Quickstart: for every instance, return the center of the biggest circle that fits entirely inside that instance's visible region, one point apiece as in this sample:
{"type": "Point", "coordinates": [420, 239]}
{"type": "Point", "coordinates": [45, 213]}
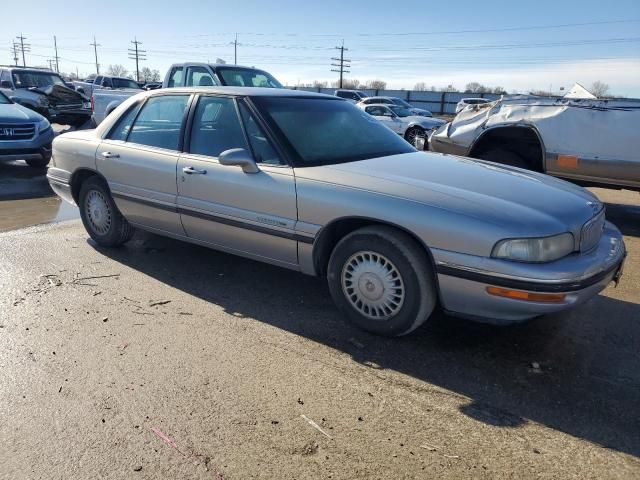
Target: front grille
{"type": "Point", "coordinates": [17, 131]}
{"type": "Point", "coordinates": [591, 232]}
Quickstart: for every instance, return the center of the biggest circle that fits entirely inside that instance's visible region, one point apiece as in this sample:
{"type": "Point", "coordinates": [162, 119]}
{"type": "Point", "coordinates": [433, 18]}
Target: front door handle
{"type": "Point", "coordinates": [194, 171]}
{"type": "Point", "coordinates": [110, 155]}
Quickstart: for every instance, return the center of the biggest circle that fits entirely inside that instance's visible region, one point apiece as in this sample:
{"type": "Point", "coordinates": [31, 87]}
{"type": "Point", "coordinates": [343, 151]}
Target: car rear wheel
{"type": "Point", "coordinates": [414, 134]}
{"type": "Point", "coordinates": [381, 279]}
{"type": "Point", "coordinates": [100, 215]}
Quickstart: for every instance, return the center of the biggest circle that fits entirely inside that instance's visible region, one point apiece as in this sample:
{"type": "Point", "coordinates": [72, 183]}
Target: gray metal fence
{"type": "Point", "coordinates": [436, 102]}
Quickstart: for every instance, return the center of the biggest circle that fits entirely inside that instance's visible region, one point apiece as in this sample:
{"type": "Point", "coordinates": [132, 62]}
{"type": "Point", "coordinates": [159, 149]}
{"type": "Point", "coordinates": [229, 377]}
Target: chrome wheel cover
{"type": "Point", "coordinates": [413, 135]}
{"type": "Point", "coordinates": [98, 212]}
{"type": "Point", "coordinates": [373, 285]}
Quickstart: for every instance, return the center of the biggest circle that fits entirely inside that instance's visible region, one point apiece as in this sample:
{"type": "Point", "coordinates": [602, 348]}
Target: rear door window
{"type": "Point", "coordinates": [160, 122]}
{"type": "Point", "coordinates": [175, 78]}
{"type": "Point", "coordinates": [200, 77]}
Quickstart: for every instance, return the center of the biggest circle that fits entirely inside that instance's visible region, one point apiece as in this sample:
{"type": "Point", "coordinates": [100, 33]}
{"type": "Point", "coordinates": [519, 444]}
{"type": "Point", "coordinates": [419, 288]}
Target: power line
{"type": "Point", "coordinates": [343, 65]}
{"type": "Point", "coordinates": [95, 46]}
{"type": "Point", "coordinates": [137, 55]}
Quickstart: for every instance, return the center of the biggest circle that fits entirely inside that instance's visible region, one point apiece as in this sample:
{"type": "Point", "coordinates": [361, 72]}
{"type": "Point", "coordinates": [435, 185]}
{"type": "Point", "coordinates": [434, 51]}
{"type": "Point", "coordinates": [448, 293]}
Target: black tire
{"type": "Point", "coordinates": [38, 162]}
{"type": "Point", "coordinates": [504, 157]}
{"type": "Point", "coordinates": [404, 257]}
{"type": "Point", "coordinates": [108, 228]}
{"type": "Point", "coordinates": [412, 133]}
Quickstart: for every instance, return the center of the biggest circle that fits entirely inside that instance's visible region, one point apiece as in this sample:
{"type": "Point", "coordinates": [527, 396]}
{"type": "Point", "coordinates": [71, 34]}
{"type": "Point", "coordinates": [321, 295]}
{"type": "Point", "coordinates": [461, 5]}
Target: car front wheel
{"type": "Point", "coordinates": [414, 135]}
{"type": "Point", "coordinates": [100, 215]}
{"type": "Point", "coordinates": [381, 279]}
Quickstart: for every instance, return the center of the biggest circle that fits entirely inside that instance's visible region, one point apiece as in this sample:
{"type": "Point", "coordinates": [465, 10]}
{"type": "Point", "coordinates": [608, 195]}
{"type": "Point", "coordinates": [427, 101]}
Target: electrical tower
{"type": "Point", "coordinates": [15, 49]}
{"type": "Point", "coordinates": [95, 46]}
{"type": "Point", "coordinates": [137, 55]}
{"type": "Point", "coordinates": [24, 47]}
{"type": "Point", "coordinates": [343, 65]}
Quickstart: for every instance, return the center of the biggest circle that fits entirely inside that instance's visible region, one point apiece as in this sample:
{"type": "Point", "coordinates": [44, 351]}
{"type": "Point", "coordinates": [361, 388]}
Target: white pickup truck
{"type": "Point", "coordinates": [190, 74]}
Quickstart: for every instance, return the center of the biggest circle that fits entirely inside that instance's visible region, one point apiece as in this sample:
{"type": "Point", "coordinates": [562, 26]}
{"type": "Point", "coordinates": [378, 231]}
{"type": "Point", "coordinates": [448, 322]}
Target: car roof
{"type": "Point", "coordinates": [244, 92]}
{"type": "Point", "coordinates": [213, 65]}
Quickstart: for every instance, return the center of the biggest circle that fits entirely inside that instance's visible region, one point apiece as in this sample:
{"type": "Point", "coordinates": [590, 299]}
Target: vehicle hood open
{"type": "Point", "coordinates": [537, 204]}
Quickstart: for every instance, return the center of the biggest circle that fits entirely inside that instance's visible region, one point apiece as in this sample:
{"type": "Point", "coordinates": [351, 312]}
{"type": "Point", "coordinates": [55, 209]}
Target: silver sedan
{"type": "Point", "coordinates": [312, 183]}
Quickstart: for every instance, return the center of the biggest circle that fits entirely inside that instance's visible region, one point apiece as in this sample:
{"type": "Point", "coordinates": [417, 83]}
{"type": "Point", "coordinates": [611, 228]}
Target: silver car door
{"type": "Point", "coordinates": [139, 158]}
{"type": "Point", "coordinates": [251, 214]}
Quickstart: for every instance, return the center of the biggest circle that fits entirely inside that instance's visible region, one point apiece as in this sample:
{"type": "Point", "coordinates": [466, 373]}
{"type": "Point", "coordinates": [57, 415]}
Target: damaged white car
{"type": "Point", "coordinates": [578, 137]}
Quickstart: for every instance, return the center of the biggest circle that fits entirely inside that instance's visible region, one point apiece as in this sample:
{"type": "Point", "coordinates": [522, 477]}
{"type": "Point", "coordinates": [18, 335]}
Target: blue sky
{"type": "Point", "coordinates": [492, 42]}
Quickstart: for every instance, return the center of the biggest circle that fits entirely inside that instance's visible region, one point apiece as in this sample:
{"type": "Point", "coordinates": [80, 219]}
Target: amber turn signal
{"type": "Point", "coordinates": [526, 296]}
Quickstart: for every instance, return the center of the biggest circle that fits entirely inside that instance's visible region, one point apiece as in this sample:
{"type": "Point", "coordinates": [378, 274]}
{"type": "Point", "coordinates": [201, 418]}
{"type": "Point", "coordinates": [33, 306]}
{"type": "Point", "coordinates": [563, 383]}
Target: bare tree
{"type": "Point", "coordinates": [599, 89]}
{"type": "Point", "coordinates": [147, 75]}
{"type": "Point", "coordinates": [499, 91]}
{"type": "Point", "coordinates": [117, 71]}
{"type": "Point", "coordinates": [420, 87]}
{"type": "Point", "coordinates": [450, 88]}
{"type": "Point", "coordinates": [319, 84]}
{"type": "Point", "coordinates": [348, 83]}
{"type": "Point", "coordinates": [376, 84]}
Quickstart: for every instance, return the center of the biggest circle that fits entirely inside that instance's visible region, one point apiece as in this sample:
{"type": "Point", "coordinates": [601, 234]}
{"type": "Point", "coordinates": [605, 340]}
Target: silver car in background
{"type": "Point", "coordinates": [312, 183]}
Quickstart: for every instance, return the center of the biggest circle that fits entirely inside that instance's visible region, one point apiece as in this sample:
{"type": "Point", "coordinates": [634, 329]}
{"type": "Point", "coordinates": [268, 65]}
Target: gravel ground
{"type": "Point", "coordinates": [168, 360]}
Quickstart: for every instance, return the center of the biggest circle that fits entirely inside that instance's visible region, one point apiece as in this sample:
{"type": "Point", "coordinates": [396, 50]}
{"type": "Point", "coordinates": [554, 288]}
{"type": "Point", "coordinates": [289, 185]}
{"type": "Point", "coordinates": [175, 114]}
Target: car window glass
{"type": "Point", "coordinates": [343, 94]}
{"type": "Point", "coordinates": [200, 77]}
{"type": "Point", "coordinates": [263, 151]}
{"type": "Point", "coordinates": [247, 77]}
{"type": "Point", "coordinates": [106, 82]}
{"type": "Point", "coordinates": [123, 125]}
{"type": "Point", "coordinates": [175, 79]}
{"type": "Point", "coordinates": [216, 127]}
{"type": "Point", "coordinates": [159, 122]}
{"type": "Point", "coordinates": [98, 80]}
{"type": "Point", "coordinates": [4, 76]}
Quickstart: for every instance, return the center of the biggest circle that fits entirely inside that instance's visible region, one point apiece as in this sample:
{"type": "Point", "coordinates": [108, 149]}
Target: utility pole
{"type": "Point", "coordinates": [137, 55]}
{"type": "Point", "coordinates": [24, 47]}
{"type": "Point", "coordinates": [343, 63]}
{"type": "Point", "coordinates": [235, 50]}
{"type": "Point", "coordinates": [50, 61]}
{"type": "Point", "coordinates": [14, 50]}
{"type": "Point", "coordinates": [55, 46]}
{"type": "Point", "coordinates": [95, 46]}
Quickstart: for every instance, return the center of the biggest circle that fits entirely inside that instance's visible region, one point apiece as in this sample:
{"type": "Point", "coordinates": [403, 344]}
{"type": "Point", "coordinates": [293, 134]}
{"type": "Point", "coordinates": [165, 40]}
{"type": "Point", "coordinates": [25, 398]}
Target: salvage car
{"type": "Point", "coordinates": [421, 112]}
{"type": "Point", "coordinates": [312, 183]}
{"type": "Point", "coordinates": [585, 140]}
{"type": "Point", "coordinates": [465, 102]}
{"type": "Point", "coordinates": [45, 92]}
{"type": "Point", "coordinates": [413, 128]}
{"type": "Point", "coordinates": [24, 134]}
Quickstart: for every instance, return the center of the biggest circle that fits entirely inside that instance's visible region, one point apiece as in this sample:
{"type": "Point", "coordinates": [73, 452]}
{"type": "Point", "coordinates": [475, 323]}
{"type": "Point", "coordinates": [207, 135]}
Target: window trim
{"type": "Point", "coordinates": [173, 71]}
{"type": "Point", "coordinates": [141, 105]}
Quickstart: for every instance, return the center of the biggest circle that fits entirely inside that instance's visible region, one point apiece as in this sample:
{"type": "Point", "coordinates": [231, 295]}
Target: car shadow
{"type": "Point", "coordinates": [19, 181]}
{"type": "Point", "coordinates": [625, 217]}
{"type": "Point", "coordinates": [576, 372]}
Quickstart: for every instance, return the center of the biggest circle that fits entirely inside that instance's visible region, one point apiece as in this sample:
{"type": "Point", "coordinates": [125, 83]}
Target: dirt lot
{"type": "Point", "coordinates": [167, 360]}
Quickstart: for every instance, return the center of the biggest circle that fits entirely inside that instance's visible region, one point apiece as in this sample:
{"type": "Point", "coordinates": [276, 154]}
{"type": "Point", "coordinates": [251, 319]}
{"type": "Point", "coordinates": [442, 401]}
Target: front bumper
{"type": "Point", "coordinates": [464, 279]}
{"type": "Point", "coordinates": [36, 148]}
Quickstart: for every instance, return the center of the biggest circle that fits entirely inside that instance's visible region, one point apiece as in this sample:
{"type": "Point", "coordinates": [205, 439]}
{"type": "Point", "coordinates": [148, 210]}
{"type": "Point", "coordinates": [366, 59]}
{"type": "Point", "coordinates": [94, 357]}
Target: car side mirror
{"type": "Point", "coordinates": [6, 84]}
{"type": "Point", "coordinates": [239, 157]}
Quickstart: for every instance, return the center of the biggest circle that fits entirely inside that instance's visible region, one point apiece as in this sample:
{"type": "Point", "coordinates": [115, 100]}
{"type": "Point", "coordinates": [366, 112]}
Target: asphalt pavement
{"type": "Point", "coordinates": [168, 360]}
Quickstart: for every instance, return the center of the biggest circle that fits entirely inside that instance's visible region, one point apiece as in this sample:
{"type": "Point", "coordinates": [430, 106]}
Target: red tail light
{"type": "Point", "coordinates": [92, 103]}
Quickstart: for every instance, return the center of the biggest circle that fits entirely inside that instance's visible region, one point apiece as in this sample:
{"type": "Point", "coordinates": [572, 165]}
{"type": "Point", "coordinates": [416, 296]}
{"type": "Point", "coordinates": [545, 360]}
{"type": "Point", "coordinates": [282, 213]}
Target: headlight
{"type": "Point", "coordinates": [545, 249]}
{"type": "Point", "coordinates": [43, 125]}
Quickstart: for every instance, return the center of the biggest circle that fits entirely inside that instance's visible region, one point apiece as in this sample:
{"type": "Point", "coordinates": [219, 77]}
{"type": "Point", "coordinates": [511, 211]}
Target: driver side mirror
{"type": "Point", "coordinates": [239, 157]}
{"type": "Point", "coordinates": [6, 84]}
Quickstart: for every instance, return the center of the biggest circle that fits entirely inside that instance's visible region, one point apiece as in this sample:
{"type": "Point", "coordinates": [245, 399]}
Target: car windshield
{"type": "Point", "coordinates": [401, 103]}
{"type": "Point", "coordinates": [3, 99]}
{"type": "Point", "coordinates": [247, 77]}
{"type": "Point", "coordinates": [25, 79]}
{"type": "Point", "coordinates": [321, 131]}
{"type": "Point", "coordinates": [401, 111]}
{"type": "Point", "coordinates": [125, 83]}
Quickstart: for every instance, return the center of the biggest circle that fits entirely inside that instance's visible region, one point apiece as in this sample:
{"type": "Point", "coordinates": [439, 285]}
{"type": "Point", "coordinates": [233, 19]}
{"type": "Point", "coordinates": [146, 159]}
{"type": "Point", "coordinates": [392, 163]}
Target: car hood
{"type": "Point", "coordinates": [14, 113]}
{"type": "Point", "coordinates": [514, 200]}
{"type": "Point", "coordinates": [61, 94]}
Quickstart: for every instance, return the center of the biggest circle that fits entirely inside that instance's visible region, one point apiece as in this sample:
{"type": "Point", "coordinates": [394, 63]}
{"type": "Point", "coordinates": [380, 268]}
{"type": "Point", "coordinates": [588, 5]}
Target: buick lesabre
{"type": "Point", "coordinates": [312, 183]}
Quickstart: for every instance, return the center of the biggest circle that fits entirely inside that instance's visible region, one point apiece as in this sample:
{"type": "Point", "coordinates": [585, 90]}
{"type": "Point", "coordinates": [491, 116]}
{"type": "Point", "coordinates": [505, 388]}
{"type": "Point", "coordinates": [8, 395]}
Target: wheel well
{"type": "Point", "coordinates": [78, 178]}
{"type": "Point", "coordinates": [331, 234]}
{"type": "Point", "coordinates": [523, 141]}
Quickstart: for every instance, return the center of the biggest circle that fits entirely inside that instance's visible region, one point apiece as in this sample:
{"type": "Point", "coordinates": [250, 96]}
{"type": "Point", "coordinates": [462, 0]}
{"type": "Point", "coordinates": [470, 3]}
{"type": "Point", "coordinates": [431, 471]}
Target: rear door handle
{"type": "Point", "coordinates": [194, 171]}
{"type": "Point", "coordinates": [110, 155]}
